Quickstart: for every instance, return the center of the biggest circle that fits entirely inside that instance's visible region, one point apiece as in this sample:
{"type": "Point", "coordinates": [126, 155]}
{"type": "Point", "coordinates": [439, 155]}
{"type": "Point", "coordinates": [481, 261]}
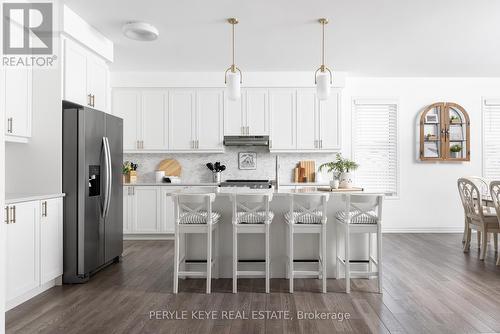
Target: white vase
{"type": "Point", "coordinates": [334, 184]}
{"type": "Point", "coordinates": [345, 180]}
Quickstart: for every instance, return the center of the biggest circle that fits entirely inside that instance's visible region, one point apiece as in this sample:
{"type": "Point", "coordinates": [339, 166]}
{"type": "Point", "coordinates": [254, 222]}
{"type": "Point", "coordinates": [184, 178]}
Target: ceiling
{"type": "Point", "coordinates": [364, 37]}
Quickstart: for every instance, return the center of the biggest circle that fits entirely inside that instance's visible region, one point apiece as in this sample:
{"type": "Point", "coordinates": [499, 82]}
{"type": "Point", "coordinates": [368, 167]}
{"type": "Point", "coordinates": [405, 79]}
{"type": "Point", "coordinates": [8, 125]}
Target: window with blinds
{"type": "Point", "coordinates": [375, 144]}
{"type": "Point", "coordinates": [491, 139]}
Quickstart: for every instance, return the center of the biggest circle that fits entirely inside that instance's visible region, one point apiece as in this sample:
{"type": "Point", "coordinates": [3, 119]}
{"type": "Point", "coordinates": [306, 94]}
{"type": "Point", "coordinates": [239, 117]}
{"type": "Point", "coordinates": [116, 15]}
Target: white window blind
{"type": "Point", "coordinates": [375, 144]}
{"type": "Point", "coordinates": [491, 139]}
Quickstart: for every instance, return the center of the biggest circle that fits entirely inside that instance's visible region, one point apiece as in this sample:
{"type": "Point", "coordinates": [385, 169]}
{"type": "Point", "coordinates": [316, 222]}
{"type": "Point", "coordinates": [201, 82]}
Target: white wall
{"type": "Point", "coordinates": [428, 198]}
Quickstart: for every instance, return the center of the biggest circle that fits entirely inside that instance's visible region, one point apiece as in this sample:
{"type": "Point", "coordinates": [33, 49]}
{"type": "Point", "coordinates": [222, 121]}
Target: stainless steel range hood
{"type": "Point", "coordinates": [246, 140]}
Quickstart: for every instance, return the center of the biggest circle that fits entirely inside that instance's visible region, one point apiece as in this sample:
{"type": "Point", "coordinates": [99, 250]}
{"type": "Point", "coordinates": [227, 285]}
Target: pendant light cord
{"type": "Point", "coordinates": [323, 46]}
{"type": "Point", "coordinates": [233, 46]}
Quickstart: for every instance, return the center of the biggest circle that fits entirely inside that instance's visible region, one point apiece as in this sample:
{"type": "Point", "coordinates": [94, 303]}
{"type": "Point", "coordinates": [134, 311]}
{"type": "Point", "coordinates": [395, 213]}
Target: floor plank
{"type": "Point", "coordinates": [430, 286]}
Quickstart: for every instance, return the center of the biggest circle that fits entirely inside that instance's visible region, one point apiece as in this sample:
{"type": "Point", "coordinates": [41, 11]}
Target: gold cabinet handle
{"type": "Point", "coordinates": [7, 215]}
{"type": "Point", "coordinates": [93, 100]}
{"type": "Point", "coordinates": [44, 209]}
{"type": "Point", "coordinates": [89, 100]}
{"type": "Point", "coordinates": [13, 214]}
{"type": "Point", "coordinates": [9, 124]}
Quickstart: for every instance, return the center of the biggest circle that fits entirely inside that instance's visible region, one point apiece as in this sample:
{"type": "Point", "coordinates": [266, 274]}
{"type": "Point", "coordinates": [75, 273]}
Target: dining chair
{"type": "Point", "coordinates": [495, 195]}
{"type": "Point", "coordinates": [362, 214]}
{"type": "Point", "coordinates": [479, 217]}
{"type": "Point", "coordinates": [307, 215]}
{"type": "Point", "coordinates": [194, 215]}
{"type": "Point", "coordinates": [483, 186]}
{"type": "Point", "coordinates": [251, 215]}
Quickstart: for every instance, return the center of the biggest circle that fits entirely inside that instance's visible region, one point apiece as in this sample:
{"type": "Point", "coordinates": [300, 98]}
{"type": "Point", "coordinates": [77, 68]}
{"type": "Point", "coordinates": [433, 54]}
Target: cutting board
{"type": "Point", "coordinates": [310, 170]}
{"type": "Point", "coordinates": [171, 167]}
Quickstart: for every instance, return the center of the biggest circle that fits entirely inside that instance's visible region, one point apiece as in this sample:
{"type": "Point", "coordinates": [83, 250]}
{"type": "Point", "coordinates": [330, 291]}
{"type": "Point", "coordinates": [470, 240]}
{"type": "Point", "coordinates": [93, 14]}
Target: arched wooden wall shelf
{"type": "Point", "coordinates": [444, 133]}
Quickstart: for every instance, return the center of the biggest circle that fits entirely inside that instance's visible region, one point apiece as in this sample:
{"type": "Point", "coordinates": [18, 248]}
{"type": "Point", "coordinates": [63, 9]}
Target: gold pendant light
{"type": "Point", "coordinates": [322, 79]}
{"type": "Point", "coordinates": [233, 77]}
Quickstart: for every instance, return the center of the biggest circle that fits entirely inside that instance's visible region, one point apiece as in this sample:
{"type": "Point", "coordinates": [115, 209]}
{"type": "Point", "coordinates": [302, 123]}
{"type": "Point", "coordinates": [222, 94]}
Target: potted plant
{"type": "Point", "coordinates": [341, 169]}
{"type": "Point", "coordinates": [455, 150]}
{"type": "Point", "coordinates": [454, 119]}
{"type": "Point", "coordinates": [129, 171]}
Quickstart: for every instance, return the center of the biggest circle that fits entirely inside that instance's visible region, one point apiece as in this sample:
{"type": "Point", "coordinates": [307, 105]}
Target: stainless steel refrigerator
{"type": "Point", "coordinates": [92, 181]}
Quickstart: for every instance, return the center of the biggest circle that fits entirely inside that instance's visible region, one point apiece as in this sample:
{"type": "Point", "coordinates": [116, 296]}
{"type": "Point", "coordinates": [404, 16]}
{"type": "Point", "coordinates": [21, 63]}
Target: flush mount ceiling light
{"type": "Point", "coordinates": [233, 76]}
{"type": "Point", "coordinates": [323, 76]}
{"type": "Point", "coordinates": [140, 31]}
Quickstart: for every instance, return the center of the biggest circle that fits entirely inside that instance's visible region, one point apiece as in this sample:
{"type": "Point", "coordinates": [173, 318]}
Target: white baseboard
{"type": "Point", "coordinates": [428, 229]}
{"type": "Point", "coordinates": [165, 236]}
{"type": "Point", "coordinates": [10, 304]}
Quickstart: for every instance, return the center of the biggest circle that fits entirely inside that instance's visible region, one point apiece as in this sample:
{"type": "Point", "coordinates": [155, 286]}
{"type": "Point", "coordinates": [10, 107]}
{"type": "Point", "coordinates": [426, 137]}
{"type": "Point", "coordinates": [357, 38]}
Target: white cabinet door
{"type": "Point", "coordinates": [75, 74]}
{"type": "Point", "coordinates": [307, 120]}
{"type": "Point", "coordinates": [283, 119]}
{"type": "Point", "coordinates": [167, 209]}
{"type": "Point", "coordinates": [97, 82]}
{"type": "Point", "coordinates": [127, 209]}
{"type": "Point", "coordinates": [233, 116]}
{"type": "Point", "coordinates": [209, 119]}
{"type": "Point", "coordinates": [329, 122]}
{"type": "Point", "coordinates": [257, 112]}
{"type": "Point", "coordinates": [181, 119]}
{"type": "Point", "coordinates": [18, 101]}
{"type": "Point", "coordinates": [23, 249]}
{"type": "Point", "coordinates": [154, 120]}
{"type": "Point", "coordinates": [146, 209]}
{"type": "Point", "coordinates": [51, 239]}
{"type": "Point", "coordinates": [126, 104]}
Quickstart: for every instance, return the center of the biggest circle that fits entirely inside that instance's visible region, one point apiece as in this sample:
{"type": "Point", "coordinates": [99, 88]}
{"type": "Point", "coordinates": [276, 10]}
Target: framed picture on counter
{"type": "Point", "coordinates": [247, 160]}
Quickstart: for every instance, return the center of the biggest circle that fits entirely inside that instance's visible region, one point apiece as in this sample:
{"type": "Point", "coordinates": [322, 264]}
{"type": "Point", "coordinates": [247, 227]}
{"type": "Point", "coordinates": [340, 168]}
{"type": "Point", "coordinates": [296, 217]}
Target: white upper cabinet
{"type": "Point", "coordinates": [181, 119]}
{"type": "Point", "coordinates": [126, 104]}
{"type": "Point", "coordinates": [249, 115]}
{"type": "Point", "coordinates": [283, 118]}
{"type": "Point", "coordinates": [85, 77]}
{"type": "Point", "coordinates": [257, 112]}
{"type": "Point", "coordinates": [329, 122]}
{"type": "Point", "coordinates": [306, 124]}
{"type": "Point", "coordinates": [209, 119]}
{"type": "Point", "coordinates": [154, 119]}
{"type": "Point", "coordinates": [97, 82]}
{"type": "Point", "coordinates": [234, 116]}
{"type": "Point", "coordinates": [307, 120]}
{"type": "Point", "coordinates": [18, 102]}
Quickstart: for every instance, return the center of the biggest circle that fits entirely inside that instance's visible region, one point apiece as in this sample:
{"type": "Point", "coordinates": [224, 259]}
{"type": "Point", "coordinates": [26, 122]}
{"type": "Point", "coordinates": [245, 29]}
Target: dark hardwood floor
{"type": "Point", "coordinates": [430, 286]}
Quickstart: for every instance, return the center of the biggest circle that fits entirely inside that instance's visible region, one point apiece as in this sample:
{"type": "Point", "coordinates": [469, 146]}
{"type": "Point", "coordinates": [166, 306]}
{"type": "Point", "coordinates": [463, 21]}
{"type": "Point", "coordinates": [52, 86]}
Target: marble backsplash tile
{"type": "Point", "coordinates": [194, 169]}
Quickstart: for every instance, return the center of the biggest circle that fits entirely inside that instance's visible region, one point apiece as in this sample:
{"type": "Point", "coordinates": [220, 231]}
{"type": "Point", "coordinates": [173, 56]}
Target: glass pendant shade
{"type": "Point", "coordinates": [323, 85]}
{"type": "Point", "coordinates": [233, 85]}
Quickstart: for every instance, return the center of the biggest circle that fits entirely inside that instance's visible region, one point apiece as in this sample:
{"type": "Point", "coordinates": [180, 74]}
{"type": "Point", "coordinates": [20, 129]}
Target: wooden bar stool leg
{"type": "Point", "coordinates": [209, 259]}
{"type": "Point", "coordinates": [290, 257]}
{"type": "Point", "coordinates": [267, 259]}
{"type": "Point", "coordinates": [323, 256]}
{"type": "Point", "coordinates": [235, 259]}
{"type": "Point", "coordinates": [176, 261]}
{"type": "Point", "coordinates": [347, 262]}
{"type": "Point", "coordinates": [379, 258]}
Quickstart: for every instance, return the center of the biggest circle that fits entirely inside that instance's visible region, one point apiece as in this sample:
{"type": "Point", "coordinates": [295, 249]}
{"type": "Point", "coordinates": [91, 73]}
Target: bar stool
{"type": "Point", "coordinates": [307, 214]}
{"type": "Point", "coordinates": [251, 214]}
{"type": "Point", "coordinates": [193, 215]}
{"type": "Point", "coordinates": [362, 214]}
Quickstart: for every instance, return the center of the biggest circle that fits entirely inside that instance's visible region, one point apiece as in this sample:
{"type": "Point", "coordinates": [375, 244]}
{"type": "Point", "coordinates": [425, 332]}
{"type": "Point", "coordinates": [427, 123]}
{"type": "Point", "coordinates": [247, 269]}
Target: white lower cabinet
{"type": "Point", "coordinates": [148, 210]}
{"type": "Point", "coordinates": [34, 248]}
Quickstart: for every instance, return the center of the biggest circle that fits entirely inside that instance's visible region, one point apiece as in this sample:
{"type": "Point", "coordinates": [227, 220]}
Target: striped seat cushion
{"type": "Point", "coordinates": [361, 219]}
{"type": "Point", "coordinates": [253, 218]}
{"type": "Point", "coordinates": [191, 218]}
{"type": "Point", "coordinates": [305, 218]}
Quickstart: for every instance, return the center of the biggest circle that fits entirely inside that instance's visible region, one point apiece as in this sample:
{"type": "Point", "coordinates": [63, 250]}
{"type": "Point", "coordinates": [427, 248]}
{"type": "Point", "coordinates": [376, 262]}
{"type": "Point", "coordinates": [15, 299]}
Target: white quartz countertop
{"type": "Point", "coordinates": [164, 184]}
{"type": "Point", "coordinates": [11, 198]}
{"type": "Point", "coordinates": [280, 192]}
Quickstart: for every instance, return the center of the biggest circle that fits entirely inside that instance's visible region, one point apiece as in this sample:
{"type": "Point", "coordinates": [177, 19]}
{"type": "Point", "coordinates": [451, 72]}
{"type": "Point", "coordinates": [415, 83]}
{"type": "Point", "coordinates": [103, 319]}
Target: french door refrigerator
{"type": "Point", "coordinates": [92, 182]}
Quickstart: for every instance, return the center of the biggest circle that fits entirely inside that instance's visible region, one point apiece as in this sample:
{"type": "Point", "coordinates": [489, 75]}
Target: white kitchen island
{"type": "Point", "coordinates": [251, 247]}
